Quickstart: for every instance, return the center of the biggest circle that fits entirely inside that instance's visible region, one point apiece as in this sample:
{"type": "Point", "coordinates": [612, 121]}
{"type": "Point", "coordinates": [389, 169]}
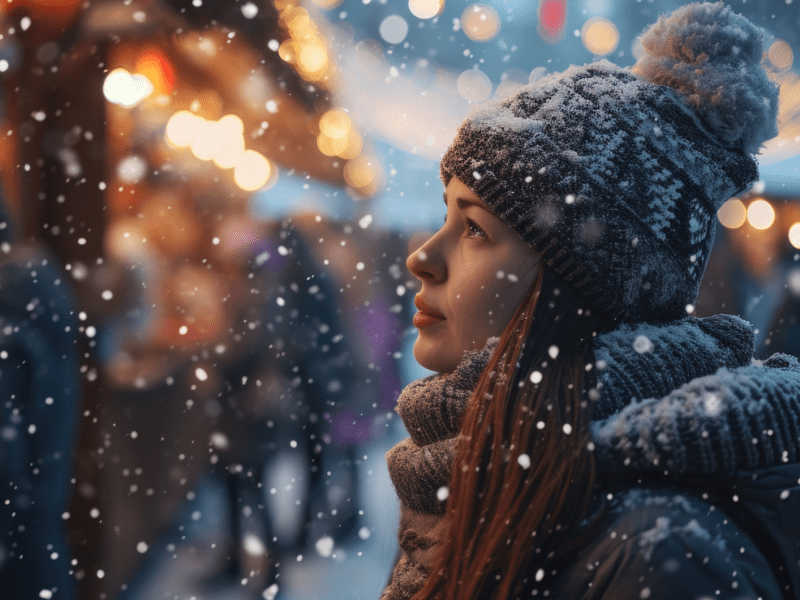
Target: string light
{"type": "Point", "coordinates": [126, 89]}
{"type": "Point", "coordinates": [305, 47]}
{"type": "Point", "coordinates": [252, 171]}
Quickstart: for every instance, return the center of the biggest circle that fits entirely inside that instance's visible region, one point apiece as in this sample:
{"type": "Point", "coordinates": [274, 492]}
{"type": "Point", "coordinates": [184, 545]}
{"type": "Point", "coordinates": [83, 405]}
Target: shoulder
{"type": "Point", "coordinates": [661, 543]}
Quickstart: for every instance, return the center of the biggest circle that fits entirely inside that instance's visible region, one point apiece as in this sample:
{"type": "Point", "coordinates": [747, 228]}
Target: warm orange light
{"type": "Point", "coordinates": [154, 65]}
{"type": "Point", "coordinates": [732, 214]}
{"type": "Point", "coordinates": [353, 146]}
{"type": "Point", "coordinates": [794, 235]}
{"type": "Point", "coordinates": [600, 36]}
{"type": "Point", "coordinates": [760, 214]}
{"type": "Point", "coordinates": [252, 171]}
{"type": "Point", "coordinates": [335, 123]}
{"type": "Point", "coordinates": [312, 58]}
{"type": "Point", "coordinates": [425, 9]}
{"type": "Point", "coordinates": [361, 171]}
{"type": "Point", "coordinates": [327, 4]}
{"type": "Point", "coordinates": [480, 22]}
{"type": "Point", "coordinates": [231, 144]}
{"type": "Point", "coordinates": [182, 128]}
{"type": "Point", "coordinates": [780, 55]}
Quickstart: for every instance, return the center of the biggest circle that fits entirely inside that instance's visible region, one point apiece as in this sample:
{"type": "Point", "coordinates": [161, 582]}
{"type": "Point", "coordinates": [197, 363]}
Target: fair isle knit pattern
{"type": "Point", "coordinates": [677, 400]}
{"type": "Point", "coordinates": [615, 180]}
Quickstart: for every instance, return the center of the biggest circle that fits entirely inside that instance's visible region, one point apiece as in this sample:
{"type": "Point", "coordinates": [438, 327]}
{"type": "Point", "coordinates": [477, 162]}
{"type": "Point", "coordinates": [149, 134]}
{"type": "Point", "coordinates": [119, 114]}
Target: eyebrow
{"type": "Point", "coordinates": [464, 202]}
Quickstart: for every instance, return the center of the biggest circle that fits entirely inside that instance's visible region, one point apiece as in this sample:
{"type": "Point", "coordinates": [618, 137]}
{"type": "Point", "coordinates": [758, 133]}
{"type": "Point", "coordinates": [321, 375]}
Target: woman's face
{"type": "Point", "coordinates": [474, 271]}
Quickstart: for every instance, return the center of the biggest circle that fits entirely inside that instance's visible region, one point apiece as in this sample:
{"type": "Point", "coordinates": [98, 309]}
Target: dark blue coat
{"type": "Point", "coordinates": [699, 472]}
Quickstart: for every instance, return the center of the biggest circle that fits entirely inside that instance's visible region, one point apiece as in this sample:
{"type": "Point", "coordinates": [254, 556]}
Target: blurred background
{"type": "Point", "coordinates": [205, 315]}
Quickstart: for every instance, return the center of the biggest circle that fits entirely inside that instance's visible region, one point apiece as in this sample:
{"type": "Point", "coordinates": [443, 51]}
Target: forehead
{"type": "Point", "coordinates": [463, 195]}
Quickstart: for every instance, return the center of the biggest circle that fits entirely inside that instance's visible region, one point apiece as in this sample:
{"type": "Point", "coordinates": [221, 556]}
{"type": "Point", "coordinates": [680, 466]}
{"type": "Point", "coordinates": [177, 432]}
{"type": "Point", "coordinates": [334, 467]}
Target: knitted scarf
{"type": "Point", "coordinates": [635, 364]}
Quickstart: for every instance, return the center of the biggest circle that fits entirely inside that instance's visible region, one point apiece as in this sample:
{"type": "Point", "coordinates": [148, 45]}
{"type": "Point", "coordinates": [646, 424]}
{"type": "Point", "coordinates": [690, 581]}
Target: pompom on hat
{"type": "Point", "coordinates": [614, 176]}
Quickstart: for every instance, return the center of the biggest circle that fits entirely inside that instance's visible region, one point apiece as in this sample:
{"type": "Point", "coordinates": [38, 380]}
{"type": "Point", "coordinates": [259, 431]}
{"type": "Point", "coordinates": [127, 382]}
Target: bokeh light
{"type": "Point", "coordinates": [425, 9]}
{"type": "Point", "coordinates": [474, 85]}
{"type": "Point", "coordinates": [252, 171]}
{"type": "Point", "coordinates": [480, 22]}
{"type": "Point", "coordinates": [182, 128]}
{"type": "Point", "coordinates": [552, 18]}
{"type": "Point", "coordinates": [207, 140]}
{"type": "Point", "coordinates": [327, 4]}
{"type": "Point", "coordinates": [325, 144]}
{"type": "Point", "coordinates": [732, 214]}
{"type": "Point", "coordinates": [760, 214]}
{"type": "Point", "coordinates": [154, 65]}
{"type": "Point", "coordinates": [393, 29]}
{"type": "Point", "coordinates": [780, 55]}
{"type": "Point", "coordinates": [312, 58]}
{"type": "Point", "coordinates": [600, 36]}
{"type": "Point", "coordinates": [231, 146]}
{"type": "Point", "coordinates": [352, 147]}
{"type": "Point", "coordinates": [124, 239]}
{"type": "Point", "coordinates": [361, 172]}
{"type": "Point", "coordinates": [305, 47]}
{"type": "Point", "coordinates": [335, 123]}
{"type": "Point", "coordinates": [794, 235]}
{"type": "Point", "coordinates": [126, 89]}
{"type": "Point", "coordinates": [131, 169]}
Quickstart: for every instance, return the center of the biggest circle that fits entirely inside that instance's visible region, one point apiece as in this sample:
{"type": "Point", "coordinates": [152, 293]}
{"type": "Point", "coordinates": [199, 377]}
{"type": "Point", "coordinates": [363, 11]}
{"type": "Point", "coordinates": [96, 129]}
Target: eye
{"type": "Point", "coordinates": [474, 229]}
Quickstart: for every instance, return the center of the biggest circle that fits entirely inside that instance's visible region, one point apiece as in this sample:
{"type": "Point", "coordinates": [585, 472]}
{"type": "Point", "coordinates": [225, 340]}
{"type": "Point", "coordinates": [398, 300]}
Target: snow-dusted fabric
{"type": "Point", "coordinates": [636, 362]}
{"type": "Point", "coordinates": [613, 178]}
{"type": "Point", "coordinates": [713, 400]}
{"type": "Point", "coordinates": [740, 419]}
{"type": "Point", "coordinates": [711, 57]}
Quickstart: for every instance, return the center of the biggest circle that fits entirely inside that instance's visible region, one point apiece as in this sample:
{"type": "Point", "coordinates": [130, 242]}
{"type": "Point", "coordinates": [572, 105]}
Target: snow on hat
{"type": "Point", "coordinates": [614, 176]}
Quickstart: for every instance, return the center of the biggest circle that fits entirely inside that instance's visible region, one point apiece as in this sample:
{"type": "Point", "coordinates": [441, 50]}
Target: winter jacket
{"type": "Point", "coordinates": [697, 450]}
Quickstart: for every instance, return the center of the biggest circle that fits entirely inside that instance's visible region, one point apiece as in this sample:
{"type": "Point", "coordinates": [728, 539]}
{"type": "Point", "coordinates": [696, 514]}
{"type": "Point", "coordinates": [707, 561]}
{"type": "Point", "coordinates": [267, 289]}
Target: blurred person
{"type": "Point", "coordinates": [277, 476]}
{"type": "Point", "coordinates": [584, 437]}
{"type": "Point", "coordinates": [39, 402]}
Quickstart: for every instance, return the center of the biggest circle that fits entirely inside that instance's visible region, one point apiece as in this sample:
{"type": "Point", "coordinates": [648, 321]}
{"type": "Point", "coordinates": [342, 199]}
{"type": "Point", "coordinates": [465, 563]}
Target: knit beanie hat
{"type": "Point", "coordinates": [614, 176]}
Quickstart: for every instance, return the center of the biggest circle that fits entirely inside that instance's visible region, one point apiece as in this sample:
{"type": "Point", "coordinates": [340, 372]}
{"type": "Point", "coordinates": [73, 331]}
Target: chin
{"type": "Point", "coordinates": [434, 355]}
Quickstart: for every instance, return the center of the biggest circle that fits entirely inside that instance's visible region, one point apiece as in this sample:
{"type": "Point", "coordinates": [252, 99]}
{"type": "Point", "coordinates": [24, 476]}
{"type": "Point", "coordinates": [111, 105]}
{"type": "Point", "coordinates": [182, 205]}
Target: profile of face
{"type": "Point", "coordinates": [474, 272]}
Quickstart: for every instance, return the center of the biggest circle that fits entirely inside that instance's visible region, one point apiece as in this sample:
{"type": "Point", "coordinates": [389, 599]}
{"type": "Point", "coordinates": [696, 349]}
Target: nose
{"type": "Point", "coordinates": [427, 263]}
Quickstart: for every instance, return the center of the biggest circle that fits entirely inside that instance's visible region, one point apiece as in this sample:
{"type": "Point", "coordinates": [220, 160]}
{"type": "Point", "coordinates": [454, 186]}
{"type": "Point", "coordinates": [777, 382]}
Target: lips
{"type": "Point", "coordinates": [427, 315]}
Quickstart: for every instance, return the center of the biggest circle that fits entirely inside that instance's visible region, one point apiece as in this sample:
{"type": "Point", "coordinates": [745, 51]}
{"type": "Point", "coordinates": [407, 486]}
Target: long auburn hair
{"type": "Point", "coordinates": [523, 471]}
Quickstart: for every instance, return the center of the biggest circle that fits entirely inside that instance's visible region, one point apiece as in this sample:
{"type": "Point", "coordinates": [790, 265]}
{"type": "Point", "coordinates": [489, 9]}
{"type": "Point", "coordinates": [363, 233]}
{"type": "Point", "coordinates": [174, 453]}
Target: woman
{"type": "Point", "coordinates": [607, 445]}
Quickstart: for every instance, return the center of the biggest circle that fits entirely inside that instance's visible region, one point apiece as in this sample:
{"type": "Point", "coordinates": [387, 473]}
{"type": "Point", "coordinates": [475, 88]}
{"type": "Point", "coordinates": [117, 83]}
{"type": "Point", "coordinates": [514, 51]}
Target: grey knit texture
{"type": "Point", "coordinates": [615, 180]}
{"type": "Point", "coordinates": [740, 419]}
{"type": "Point", "coordinates": [630, 360]}
{"type": "Point", "coordinates": [432, 410]}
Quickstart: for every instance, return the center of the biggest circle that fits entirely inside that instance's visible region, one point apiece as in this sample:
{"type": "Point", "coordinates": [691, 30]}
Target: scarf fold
{"type": "Point", "coordinates": [432, 410]}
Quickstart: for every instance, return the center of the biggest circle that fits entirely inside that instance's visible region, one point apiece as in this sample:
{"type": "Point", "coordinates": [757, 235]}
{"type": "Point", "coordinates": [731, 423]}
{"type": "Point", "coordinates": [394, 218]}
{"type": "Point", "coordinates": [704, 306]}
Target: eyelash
{"type": "Point", "coordinates": [472, 227]}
